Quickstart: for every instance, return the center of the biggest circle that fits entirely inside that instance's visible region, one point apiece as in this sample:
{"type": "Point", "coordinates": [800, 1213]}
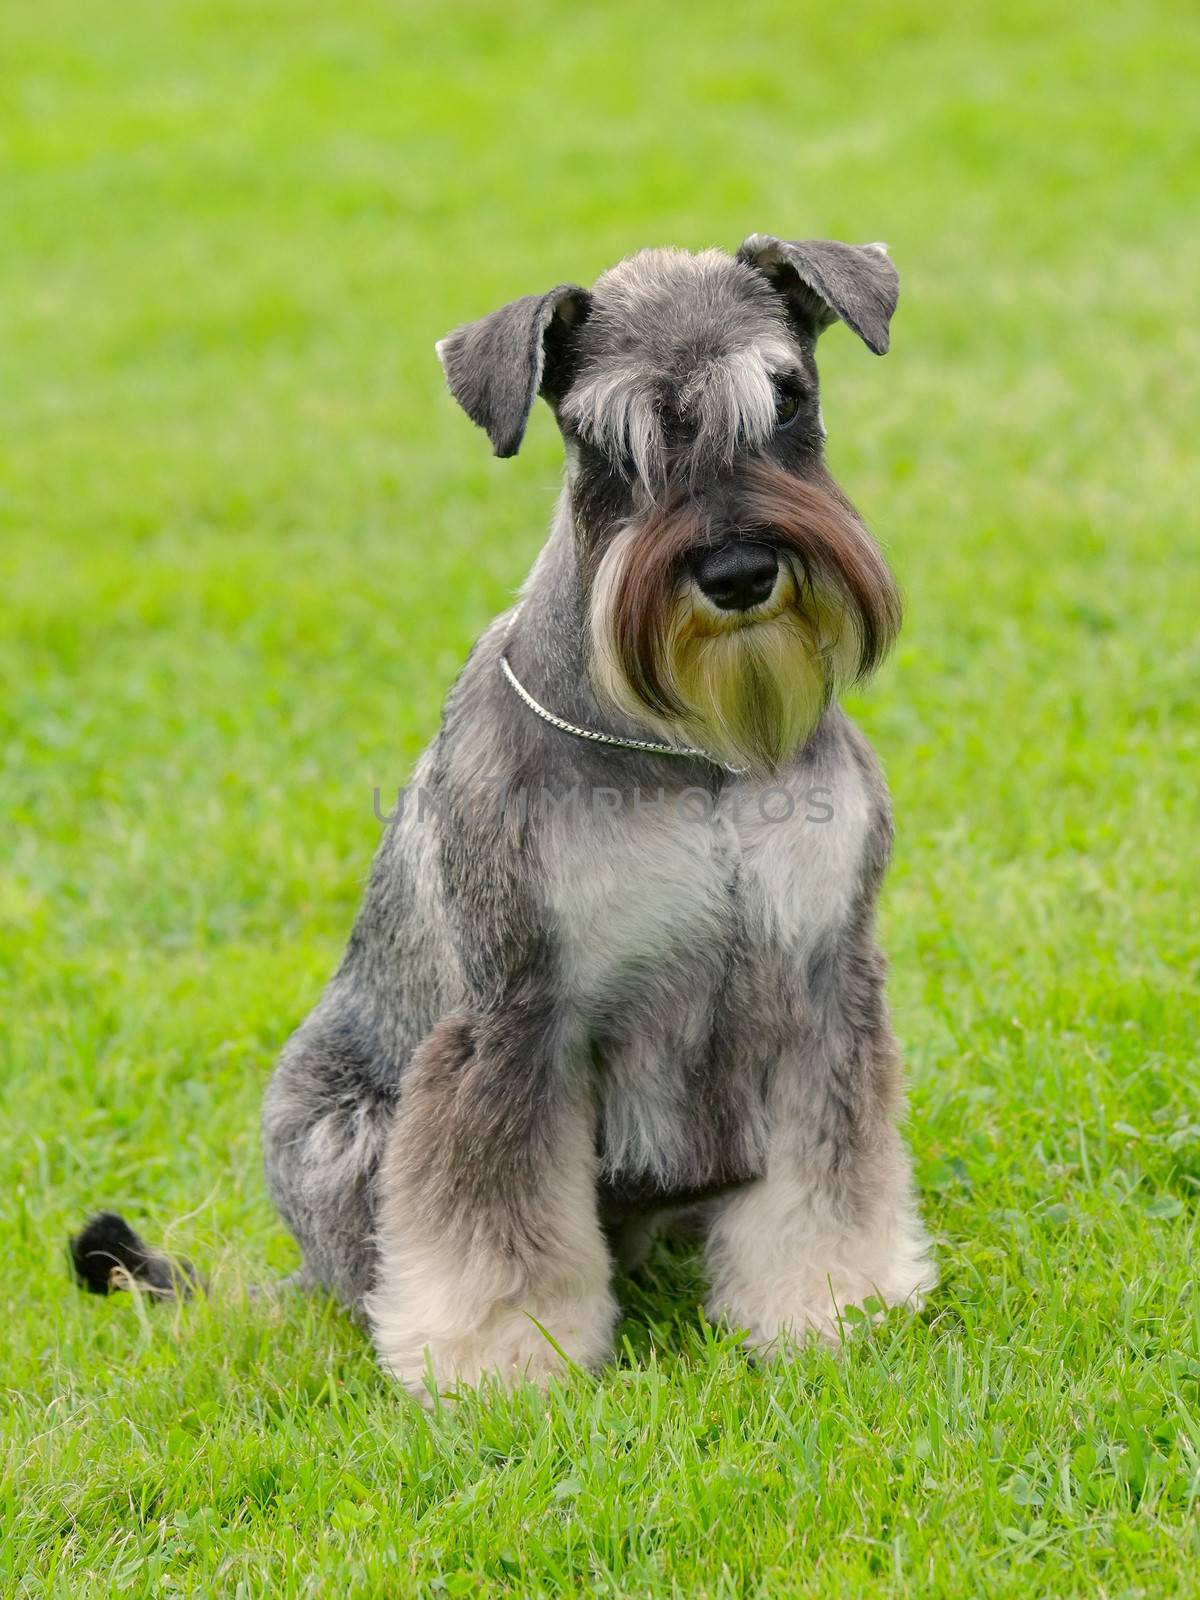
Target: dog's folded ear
{"type": "Point", "coordinates": [824, 281]}
{"type": "Point", "coordinates": [497, 367]}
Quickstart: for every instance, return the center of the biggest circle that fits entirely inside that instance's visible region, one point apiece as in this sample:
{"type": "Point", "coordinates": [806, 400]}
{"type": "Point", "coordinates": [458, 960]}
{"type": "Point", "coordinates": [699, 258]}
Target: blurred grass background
{"type": "Point", "coordinates": [246, 540]}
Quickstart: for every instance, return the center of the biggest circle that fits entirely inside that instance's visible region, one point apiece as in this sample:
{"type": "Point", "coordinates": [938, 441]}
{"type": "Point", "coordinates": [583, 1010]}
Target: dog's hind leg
{"type": "Point", "coordinates": [326, 1116]}
{"type": "Point", "coordinates": [492, 1262]}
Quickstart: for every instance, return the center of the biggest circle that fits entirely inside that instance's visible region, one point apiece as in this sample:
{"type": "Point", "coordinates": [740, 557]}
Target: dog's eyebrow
{"type": "Point", "coordinates": [620, 412]}
{"type": "Point", "coordinates": [733, 397]}
{"type": "Point", "coordinates": [729, 398]}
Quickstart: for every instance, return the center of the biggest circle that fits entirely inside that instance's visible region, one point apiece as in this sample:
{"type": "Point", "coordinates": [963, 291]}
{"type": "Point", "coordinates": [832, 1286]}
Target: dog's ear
{"type": "Point", "coordinates": [497, 367]}
{"type": "Point", "coordinates": [823, 281]}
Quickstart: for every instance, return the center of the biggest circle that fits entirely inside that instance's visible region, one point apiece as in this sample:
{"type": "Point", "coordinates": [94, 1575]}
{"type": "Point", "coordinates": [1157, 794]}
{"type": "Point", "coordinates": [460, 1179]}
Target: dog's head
{"type": "Point", "coordinates": [731, 588]}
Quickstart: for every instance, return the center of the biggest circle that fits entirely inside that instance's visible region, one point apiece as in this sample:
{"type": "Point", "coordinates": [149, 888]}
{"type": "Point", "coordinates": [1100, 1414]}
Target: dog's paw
{"type": "Point", "coordinates": [781, 1316]}
{"type": "Point", "coordinates": [510, 1347]}
{"type": "Point", "coordinates": [786, 1293]}
{"type": "Point", "coordinates": [779, 1332]}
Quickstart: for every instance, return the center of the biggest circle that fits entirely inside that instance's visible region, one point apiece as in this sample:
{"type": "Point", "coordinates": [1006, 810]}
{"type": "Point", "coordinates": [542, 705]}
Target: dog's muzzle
{"type": "Point", "coordinates": [737, 576]}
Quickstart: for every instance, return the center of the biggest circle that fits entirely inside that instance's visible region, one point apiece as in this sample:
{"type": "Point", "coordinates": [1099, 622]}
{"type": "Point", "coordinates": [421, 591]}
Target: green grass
{"type": "Point", "coordinates": [245, 540]}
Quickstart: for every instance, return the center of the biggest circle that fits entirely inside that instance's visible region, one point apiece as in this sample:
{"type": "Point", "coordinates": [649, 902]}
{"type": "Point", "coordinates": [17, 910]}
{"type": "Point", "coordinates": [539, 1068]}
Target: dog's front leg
{"type": "Point", "coordinates": [491, 1256]}
{"type": "Point", "coordinates": [833, 1222]}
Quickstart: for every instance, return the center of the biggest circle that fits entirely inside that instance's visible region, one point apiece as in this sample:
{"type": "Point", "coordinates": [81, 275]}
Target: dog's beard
{"type": "Point", "coordinates": [749, 687]}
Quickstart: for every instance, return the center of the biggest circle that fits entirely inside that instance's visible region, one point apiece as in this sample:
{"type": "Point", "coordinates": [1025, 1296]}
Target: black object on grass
{"type": "Point", "coordinates": [107, 1254]}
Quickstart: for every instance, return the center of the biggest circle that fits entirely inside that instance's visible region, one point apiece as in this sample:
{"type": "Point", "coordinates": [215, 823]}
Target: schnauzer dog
{"type": "Point", "coordinates": [616, 959]}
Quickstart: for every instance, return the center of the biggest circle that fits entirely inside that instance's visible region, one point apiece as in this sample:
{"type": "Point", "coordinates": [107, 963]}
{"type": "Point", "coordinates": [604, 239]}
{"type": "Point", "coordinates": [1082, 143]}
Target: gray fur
{"type": "Point", "coordinates": [548, 1020]}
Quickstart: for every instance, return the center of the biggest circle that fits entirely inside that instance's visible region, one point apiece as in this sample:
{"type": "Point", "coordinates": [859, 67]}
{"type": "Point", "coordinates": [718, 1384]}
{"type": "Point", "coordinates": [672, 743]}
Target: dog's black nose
{"type": "Point", "coordinates": [737, 576]}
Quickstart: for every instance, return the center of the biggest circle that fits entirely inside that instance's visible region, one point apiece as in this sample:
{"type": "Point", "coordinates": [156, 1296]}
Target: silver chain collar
{"type": "Point", "coordinates": [649, 745]}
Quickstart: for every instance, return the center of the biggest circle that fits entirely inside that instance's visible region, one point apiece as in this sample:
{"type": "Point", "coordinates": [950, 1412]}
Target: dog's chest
{"type": "Point", "coordinates": [682, 883]}
{"type": "Point", "coordinates": [684, 932]}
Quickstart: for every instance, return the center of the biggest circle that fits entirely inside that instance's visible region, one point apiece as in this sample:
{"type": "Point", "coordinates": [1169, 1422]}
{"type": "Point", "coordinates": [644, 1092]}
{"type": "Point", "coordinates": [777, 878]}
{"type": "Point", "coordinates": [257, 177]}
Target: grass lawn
{"type": "Point", "coordinates": [246, 539]}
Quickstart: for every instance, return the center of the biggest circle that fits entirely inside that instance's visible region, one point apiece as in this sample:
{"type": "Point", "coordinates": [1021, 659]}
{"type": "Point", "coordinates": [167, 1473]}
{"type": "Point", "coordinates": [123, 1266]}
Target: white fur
{"type": "Point", "coordinates": [783, 1265]}
{"type": "Point", "coordinates": [627, 886]}
{"type": "Point", "coordinates": [619, 413]}
{"type": "Point", "coordinates": [732, 398]}
{"type": "Point", "coordinates": [805, 872]}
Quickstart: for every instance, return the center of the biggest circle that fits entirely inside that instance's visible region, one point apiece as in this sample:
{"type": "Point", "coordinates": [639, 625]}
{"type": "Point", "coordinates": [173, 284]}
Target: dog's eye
{"type": "Point", "coordinates": [789, 397]}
